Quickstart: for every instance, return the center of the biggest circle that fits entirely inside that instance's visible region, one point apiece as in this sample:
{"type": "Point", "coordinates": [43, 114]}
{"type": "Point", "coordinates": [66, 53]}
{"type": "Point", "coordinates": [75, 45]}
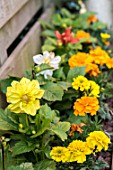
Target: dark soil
{"type": "Point", "coordinates": [108, 128]}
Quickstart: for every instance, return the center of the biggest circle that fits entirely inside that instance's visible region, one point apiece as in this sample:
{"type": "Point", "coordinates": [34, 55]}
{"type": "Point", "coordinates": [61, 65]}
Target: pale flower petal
{"type": "Point", "coordinates": [38, 59]}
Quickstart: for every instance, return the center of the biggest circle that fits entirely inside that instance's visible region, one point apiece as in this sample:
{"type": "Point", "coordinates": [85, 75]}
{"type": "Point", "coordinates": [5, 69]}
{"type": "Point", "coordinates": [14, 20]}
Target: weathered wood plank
{"type": "Point", "coordinates": [8, 8]}
{"type": "Point", "coordinates": [15, 25]}
{"type": "Point", "coordinates": [21, 57]}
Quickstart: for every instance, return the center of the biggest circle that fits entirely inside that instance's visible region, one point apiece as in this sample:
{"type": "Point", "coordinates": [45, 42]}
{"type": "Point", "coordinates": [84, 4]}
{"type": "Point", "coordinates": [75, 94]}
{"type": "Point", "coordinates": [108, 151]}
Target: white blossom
{"type": "Point", "coordinates": [47, 58]}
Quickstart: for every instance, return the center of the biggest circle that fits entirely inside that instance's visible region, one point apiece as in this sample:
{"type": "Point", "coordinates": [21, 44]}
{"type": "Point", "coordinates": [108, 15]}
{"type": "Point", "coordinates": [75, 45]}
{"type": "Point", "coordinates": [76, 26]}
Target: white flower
{"type": "Point", "coordinates": [47, 58]}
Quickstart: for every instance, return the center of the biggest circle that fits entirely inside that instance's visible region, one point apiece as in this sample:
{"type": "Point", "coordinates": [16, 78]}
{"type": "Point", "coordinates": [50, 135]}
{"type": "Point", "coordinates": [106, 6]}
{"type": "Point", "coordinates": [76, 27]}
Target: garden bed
{"type": "Point", "coordinates": [59, 114]}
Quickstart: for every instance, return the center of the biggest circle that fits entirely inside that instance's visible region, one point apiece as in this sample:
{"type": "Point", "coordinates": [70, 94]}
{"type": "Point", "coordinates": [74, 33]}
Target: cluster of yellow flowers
{"type": "Point", "coordinates": [77, 149]}
{"type": "Point", "coordinates": [91, 60]}
{"type": "Point", "coordinates": [24, 96]}
{"type": "Point", "coordinates": [89, 87]}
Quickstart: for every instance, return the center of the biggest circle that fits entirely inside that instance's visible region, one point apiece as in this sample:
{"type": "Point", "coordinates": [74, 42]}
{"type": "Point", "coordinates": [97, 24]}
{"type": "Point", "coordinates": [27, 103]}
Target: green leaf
{"type": "Point", "coordinates": [23, 166]}
{"type": "Point", "coordinates": [64, 85]}
{"type": "Point", "coordinates": [98, 25]}
{"type": "Point", "coordinates": [45, 165]}
{"type": "Point", "coordinates": [45, 112]}
{"type": "Point", "coordinates": [73, 73]}
{"type": "Point", "coordinates": [59, 73]}
{"type": "Point", "coordinates": [22, 147]}
{"type": "Point", "coordinates": [42, 67]}
{"type": "Point", "coordinates": [48, 33]}
{"type": "Point", "coordinates": [50, 41]}
{"type": "Point", "coordinates": [53, 92]}
{"type": "Point", "coordinates": [48, 47]}
{"type": "Point", "coordinates": [44, 119]}
{"type": "Point", "coordinates": [57, 19]}
{"type": "Point", "coordinates": [7, 82]}
{"type": "Point", "coordinates": [60, 129]}
{"type": "Point", "coordinates": [66, 13]}
{"type": "Point", "coordinates": [42, 127]}
{"type": "Point", "coordinates": [7, 121]}
{"type": "Point", "coordinates": [77, 119]}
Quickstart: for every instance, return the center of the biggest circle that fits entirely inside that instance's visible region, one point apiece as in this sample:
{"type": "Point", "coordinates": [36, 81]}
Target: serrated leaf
{"type": "Point", "coordinates": [60, 129]}
{"type": "Point", "coordinates": [45, 165]}
{"type": "Point", "coordinates": [7, 122]}
{"type": "Point", "coordinates": [73, 73]}
{"type": "Point", "coordinates": [53, 92]}
{"type": "Point", "coordinates": [22, 147]}
{"type": "Point", "coordinates": [45, 112]}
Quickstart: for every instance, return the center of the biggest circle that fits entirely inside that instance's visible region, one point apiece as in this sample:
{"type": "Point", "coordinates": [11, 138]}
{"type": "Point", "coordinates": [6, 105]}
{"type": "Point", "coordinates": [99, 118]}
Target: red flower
{"type": "Point", "coordinates": [66, 37]}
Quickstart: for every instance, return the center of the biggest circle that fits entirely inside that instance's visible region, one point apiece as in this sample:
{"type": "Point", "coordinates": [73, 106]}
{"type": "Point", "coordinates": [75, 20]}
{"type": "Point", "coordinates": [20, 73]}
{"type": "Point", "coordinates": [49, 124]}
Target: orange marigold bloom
{"type": "Point", "coordinates": [86, 105]}
{"type": "Point", "coordinates": [82, 34]}
{"type": "Point", "coordinates": [76, 128]}
{"type": "Point", "coordinates": [109, 63]}
{"type": "Point", "coordinates": [92, 69]}
{"type": "Point", "coordinates": [99, 56]}
{"type": "Point", "coordinates": [80, 59]}
{"type": "Point", "coordinates": [91, 19]}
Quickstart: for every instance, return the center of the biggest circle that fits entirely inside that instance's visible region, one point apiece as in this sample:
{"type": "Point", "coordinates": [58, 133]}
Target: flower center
{"type": "Point", "coordinates": [25, 98]}
{"type": "Point", "coordinates": [47, 61]}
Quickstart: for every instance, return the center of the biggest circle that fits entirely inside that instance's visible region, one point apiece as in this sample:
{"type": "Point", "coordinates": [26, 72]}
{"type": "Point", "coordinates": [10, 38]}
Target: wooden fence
{"type": "Point", "coordinates": [14, 16]}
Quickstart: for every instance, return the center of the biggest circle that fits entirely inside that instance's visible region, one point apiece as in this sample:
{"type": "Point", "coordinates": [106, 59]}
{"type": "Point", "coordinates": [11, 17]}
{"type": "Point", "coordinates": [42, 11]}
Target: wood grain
{"type": "Point", "coordinates": [15, 25]}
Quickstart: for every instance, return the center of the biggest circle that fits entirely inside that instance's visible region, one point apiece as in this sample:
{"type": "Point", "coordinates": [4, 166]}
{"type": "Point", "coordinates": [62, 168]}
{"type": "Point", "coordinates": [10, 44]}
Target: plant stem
{"type": "Point", "coordinates": [27, 122]}
{"type": "Point", "coordinates": [3, 160]}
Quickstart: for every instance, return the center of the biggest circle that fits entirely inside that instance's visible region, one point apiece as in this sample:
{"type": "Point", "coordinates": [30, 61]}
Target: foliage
{"type": "Point", "coordinates": [28, 139]}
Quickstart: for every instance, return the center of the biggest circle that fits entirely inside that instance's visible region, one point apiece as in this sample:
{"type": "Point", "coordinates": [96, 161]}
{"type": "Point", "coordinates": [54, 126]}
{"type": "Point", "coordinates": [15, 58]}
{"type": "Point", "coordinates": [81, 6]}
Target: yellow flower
{"type": "Point", "coordinates": [99, 56]}
{"type": "Point", "coordinates": [81, 83]}
{"type": "Point", "coordinates": [24, 96]}
{"type": "Point", "coordinates": [94, 89]}
{"type": "Point", "coordinates": [89, 87]}
{"type": "Point", "coordinates": [60, 153]}
{"type": "Point", "coordinates": [97, 141]}
{"type": "Point", "coordinates": [80, 59]}
{"type": "Point", "coordinates": [105, 35]}
{"type": "Point", "coordinates": [86, 105]}
{"type": "Point", "coordinates": [78, 151]}
{"type": "Point", "coordinates": [109, 63]}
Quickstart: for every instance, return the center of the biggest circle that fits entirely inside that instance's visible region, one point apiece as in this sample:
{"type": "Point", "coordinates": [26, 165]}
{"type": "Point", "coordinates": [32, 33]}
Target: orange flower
{"type": "Point", "coordinates": [80, 59]}
{"type": "Point", "coordinates": [109, 63]}
{"type": "Point", "coordinates": [92, 69]}
{"type": "Point", "coordinates": [107, 43]}
{"type": "Point", "coordinates": [86, 105]}
{"type": "Point", "coordinates": [99, 56]}
{"type": "Point", "coordinates": [76, 128]}
{"type": "Point", "coordinates": [91, 19]}
{"type": "Point", "coordinates": [82, 34]}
